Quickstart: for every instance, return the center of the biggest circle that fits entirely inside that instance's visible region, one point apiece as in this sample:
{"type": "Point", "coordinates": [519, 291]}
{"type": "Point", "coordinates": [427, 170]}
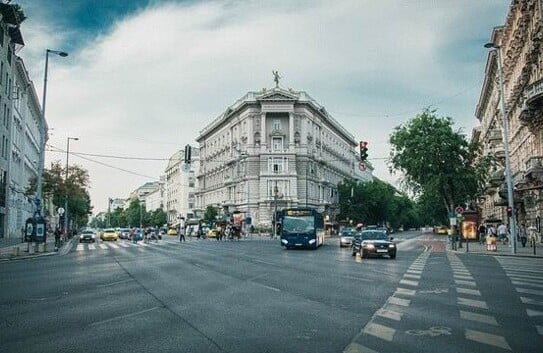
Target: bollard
{"type": "Point", "coordinates": [16, 251]}
{"type": "Point", "coordinates": [30, 249]}
{"type": "Point", "coordinates": [467, 245]}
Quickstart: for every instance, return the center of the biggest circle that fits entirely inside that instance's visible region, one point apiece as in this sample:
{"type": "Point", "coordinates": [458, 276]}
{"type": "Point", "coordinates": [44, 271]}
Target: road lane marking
{"type": "Point", "coordinates": [539, 329]}
{"type": "Point", "coordinates": [390, 314]}
{"type": "Point", "coordinates": [354, 347]}
{"type": "Point", "coordinates": [124, 245]}
{"type": "Point", "coordinates": [409, 283]}
{"type": "Point", "coordinates": [465, 283]}
{"type": "Point", "coordinates": [92, 247]}
{"type": "Point", "coordinates": [531, 301]}
{"type": "Point", "coordinates": [124, 316]}
{"type": "Point", "coordinates": [115, 283]}
{"type": "Point", "coordinates": [103, 246]}
{"type": "Point", "coordinates": [407, 275]}
{"type": "Point", "coordinates": [417, 272]}
{"type": "Point", "coordinates": [463, 277]}
{"type": "Point", "coordinates": [399, 301]}
{"type": "Point", "coordinates": [487, 338]}
{"type": "Point", "coordinates": [532, 280]}
{"type": "Point", "coordinates": [533, 313]}
{"type": "Point", "coordinates": [114, 246]}
{"type": "Point", "coordinates": [529, 284]}
{"type": "Point", "coordinates": [405, 291]}
{"type": "Point", "coordinates": [79, 247]}
{"type": "Point", "coordinates": [472, 302]}
{"type": "Point", "coordinates": [485, 319]}
{"type": "Point", "coordinates": [468, 291]}
{"type": "Point", "coordinates": [380, 331]}
{"type": "Point", "coordinates": [529, 291]}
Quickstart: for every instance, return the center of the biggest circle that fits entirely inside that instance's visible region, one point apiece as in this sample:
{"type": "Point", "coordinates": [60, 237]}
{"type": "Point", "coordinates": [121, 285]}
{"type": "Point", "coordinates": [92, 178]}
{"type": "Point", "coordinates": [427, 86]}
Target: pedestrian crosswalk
{"type": "Point", "coordinates": [526, 275]}
{"type": "Point", "coordinates": [113, 245]}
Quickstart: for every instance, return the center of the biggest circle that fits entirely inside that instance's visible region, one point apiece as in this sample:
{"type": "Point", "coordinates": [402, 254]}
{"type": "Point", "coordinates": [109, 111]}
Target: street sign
{"type": "Point", "coordinates": [362, 166]}
{"type": "Point", "coordinates": [459, 210]}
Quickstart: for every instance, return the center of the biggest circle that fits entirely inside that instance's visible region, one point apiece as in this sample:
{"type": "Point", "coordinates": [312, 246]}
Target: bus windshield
{"type": "Point", "coordinates": [298, 225]}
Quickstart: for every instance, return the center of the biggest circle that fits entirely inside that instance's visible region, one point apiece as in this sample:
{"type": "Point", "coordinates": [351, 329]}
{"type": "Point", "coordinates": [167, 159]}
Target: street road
{"type": "Point", "coordinates": [253, 296]}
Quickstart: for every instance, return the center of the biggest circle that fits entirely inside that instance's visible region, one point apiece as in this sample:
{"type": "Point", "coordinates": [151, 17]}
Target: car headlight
{"type": "Point", "coordinates": [284, 241]}
{"type": "Point", "coordinates": [391, 245]}
{"type": "Point", "coordinates": [81, 237]}
{"type": "Point", "coordinates": [312, 241]}
{"type": "Point", "coordinates": [369, 246]}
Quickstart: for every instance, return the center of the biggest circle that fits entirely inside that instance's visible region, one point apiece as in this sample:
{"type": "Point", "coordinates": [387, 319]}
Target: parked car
{"type": "Point", "coordinates": [172, 231]}
{"type": "Point", "coordinates": [441, 230]}
{"type": "Point", "coordinates": [346, 237]}
{"type": "Point", "coordinates": [87, 235]}
{"type": "Point", "coordinates": [373, 242]}
{"type": "Point", "coordinates": [109, 234]}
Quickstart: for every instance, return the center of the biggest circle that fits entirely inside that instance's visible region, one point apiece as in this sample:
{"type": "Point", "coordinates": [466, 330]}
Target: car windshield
{"type": "Point", "coordinates": [373, 235]}
{"type": "Point", "coordinates": [109, 231]}
{"type": "Point", "coordinates": [87, 232]}
{"type": "Point", "coordinates": [298, 225]}
{"type": "Point", "coordinates": [348, 232]}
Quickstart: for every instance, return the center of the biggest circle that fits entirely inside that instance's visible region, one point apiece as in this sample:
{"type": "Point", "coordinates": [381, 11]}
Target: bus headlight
{"type": "Point", "coordinates": [312, 241]}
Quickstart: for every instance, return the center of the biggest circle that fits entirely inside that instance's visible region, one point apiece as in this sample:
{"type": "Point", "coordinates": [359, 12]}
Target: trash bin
{"type": "Point", "coordinates": [491, 243]}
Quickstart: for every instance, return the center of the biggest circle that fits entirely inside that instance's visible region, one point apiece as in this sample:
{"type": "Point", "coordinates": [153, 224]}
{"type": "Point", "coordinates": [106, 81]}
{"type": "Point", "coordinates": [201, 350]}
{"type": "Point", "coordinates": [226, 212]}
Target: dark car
{"type": "Point", "coordinates": [87, 235]}
{"type": "Point", "coordinates": [124, 233]}
{"type": "Point", "coordinates": [373, 242]}
{"type": "Point", "coordinates": [346, 237]}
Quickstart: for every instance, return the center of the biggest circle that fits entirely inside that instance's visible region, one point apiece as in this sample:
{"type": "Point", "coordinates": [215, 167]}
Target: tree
{"type": "Point", "coordinates": [437, 161]}
{"type": "Point", "coordinates": [158, 217]}
{"type": "Point", "coordinates": [210, 213]}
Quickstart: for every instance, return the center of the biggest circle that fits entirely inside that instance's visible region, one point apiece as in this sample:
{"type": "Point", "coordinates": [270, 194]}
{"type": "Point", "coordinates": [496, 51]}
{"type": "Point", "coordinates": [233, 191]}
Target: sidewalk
{"type": "Point", "coordinates": [501, 249]}
{"type": "Point", "coordinates": [14, 249]}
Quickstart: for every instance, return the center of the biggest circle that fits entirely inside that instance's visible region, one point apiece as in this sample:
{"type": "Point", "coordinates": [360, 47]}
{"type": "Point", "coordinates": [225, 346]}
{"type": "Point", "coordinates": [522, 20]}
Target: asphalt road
{"type": "Point", "coordinates": [253, 296]}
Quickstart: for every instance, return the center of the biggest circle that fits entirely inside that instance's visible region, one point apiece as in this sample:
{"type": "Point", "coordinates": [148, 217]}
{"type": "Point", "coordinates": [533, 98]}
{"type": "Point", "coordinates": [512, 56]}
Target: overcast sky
{"type": "Point", "coordinates": [143, 77]}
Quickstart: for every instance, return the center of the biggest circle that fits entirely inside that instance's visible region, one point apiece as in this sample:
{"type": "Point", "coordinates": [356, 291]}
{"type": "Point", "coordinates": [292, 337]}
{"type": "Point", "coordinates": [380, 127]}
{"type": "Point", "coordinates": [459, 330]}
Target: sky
{"type": "Point", "coordinates": [144, 77]}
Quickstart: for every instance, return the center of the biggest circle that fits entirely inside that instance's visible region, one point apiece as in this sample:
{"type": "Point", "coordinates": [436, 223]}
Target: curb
{"type": "Point", "coordinates": [497, 254]}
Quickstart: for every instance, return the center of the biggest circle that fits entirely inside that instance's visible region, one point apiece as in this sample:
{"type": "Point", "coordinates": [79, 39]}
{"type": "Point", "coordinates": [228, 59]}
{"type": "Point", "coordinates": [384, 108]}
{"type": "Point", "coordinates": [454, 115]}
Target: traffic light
{"type": "Point", "coordinates": [363, 150]}
{"type": "Point", "coordinates": [509, 211]}
{"type": "Point", "coordinates": [187, 154]}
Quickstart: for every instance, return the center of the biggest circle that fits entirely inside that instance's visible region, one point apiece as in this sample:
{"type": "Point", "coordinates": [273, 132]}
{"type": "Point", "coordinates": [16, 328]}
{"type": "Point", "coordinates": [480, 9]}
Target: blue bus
{"type": "Point", "coordinates": [301, 228]}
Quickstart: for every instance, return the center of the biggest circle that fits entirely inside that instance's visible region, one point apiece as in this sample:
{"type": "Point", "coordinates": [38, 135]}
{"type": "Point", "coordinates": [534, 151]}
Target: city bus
{"type": "Point", "coordinates": [301, 228]}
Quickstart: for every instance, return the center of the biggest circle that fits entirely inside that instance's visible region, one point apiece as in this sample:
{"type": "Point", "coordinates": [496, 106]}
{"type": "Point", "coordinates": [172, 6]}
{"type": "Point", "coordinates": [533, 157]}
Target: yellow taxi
{"type": "Point", "coordinates": [109, 234]}
{"type": "Point", "coordinates": [172, 231]}
{"type": "Point", "coordinates": [441, 230]}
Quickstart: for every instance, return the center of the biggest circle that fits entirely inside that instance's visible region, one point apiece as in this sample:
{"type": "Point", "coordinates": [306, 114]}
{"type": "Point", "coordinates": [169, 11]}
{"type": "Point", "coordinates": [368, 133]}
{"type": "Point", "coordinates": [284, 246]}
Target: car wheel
{"type": "Point", "coordinates": [393, 256]}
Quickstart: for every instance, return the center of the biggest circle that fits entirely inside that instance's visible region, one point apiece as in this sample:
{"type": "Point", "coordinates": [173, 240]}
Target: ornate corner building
{"type": "Point", "coordinates": [272, 149]}
{"type": "Point", "coordinates": [520, 43]}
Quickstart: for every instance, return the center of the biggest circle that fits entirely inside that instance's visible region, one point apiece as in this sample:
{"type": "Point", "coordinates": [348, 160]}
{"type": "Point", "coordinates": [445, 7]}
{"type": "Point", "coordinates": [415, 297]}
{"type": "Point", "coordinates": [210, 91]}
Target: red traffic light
{"type": "Point", "coordinates": [509, 211]}
{"type": "Point", "coordinates": [363, 150]}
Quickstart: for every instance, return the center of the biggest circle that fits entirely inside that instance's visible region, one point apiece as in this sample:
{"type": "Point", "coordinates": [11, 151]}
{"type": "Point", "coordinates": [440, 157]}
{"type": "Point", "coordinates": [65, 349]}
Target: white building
{"type": "Point", "coordinates": [181, 185]}
{"type": "Point", "coordinates": [142, 192]}
{"type": "Point", "coordinates": [157, 198]}
{"type": "Point", "coordinates": [273, 149]}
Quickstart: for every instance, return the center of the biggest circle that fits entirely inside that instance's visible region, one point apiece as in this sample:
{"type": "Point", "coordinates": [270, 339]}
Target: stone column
{"type": "Point", "coordinates": [263, 139]}
{"type": "Point", "coordinates": [291, 131]}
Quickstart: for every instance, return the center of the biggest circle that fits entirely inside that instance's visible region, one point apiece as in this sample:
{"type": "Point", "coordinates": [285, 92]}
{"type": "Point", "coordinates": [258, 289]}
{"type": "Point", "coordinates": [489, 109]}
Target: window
{"type": "Point", "coordinates": [276, 125]}
{"type": "Point", "coordinates": [278, 165]}
{"type": "Point", "coordinates": [277, 143]}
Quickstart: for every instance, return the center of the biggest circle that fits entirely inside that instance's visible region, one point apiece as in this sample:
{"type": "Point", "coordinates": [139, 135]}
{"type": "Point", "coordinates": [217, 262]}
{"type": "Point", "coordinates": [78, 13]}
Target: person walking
{"type": "Point", "coordinates": [522, 235]}
{"type": "Point", "coordinates": [503, 233]}
{"type": "Point", "coordinates": [482, 233]}
{"type": "Point", "coordinates": [181, 233]}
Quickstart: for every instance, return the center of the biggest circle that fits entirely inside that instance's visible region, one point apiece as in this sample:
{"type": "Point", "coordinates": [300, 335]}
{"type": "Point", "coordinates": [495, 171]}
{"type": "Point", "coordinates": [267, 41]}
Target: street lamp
{"type": "Point", "coordinates": [275, 195]}
{"type": "Point", "coordinates": [44, 131]}
{"type": "Point", "coordinates": [505, 138]}
{"type": "Point", "coordinates": [66, 182]}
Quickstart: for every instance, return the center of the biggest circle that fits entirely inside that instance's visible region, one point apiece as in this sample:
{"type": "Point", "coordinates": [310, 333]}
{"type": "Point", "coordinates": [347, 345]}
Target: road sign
{"type": "Point", "coordinates": [362, 166]}
{"type": "Point", "coordinates": [459, 210]}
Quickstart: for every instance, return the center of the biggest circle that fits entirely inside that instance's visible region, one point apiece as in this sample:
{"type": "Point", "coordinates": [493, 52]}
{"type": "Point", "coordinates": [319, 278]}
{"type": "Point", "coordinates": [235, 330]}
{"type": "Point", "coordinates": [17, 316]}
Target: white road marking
{"type": "Point", "coordinates": [354, 347]}
{"type": "Point", "coordinates": [390, 314]}
{"type": "Point", "coordinates": [472, 302]}
{"type": "Point", "coordinates": [114, 246]}
{"type": "Point", "coordinates": [465, 283]}
{"type": "Point", "coordinates": [409, 283]}
{"type": "Point", "coordinates": [539, 329]}
{"type": "Point", "coordinates": [405, 291]}
{"type": "Point", "coordinates": [468, 291]}
{"type": "Point", "coordinates": [487, 338]}
{"type": "Point", "coordinates": [399, 301]}
{"type": "Point", "coordinates": [533, 313]}
{"type": "Point", "coordinates": [522, 278]}
{"type": "Point", "coordinates": [529, 284]}
{"type": "Point", "coordinates": [531, 301]}
{"type": "Point", "coordinates": [103, 246]}
{"type": "Point", "coordinates": [485, 319]}
{"type": "Point", "coordinates": [463, 277]}
{"type": "Point", "coordinates": [123, 244]}
{"type": "Point", "coordinates": [407, 275]}
{"type": "Point", "coordinates": [115, 283]}
{"type": "Point", "coordinates": [380, 331]}
{"type": "Point", "coordinates": [92, 247]}
{"type": "Point", "coordinates": [123, 316]}
{"type": "Point", "coordinates": [79, 247]}
{"type": "Point", "coordinates": [529, 291]}
{"type": "Point", "coordinates": [414, 272]}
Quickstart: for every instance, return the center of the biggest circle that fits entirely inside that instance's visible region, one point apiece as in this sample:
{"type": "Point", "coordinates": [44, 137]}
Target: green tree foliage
{"type": "Point", "coordinates": [210, 213]}
{"type": "Point", "coordinates": [376, 202]}
{"type": "Point", "coordinates": [437, 161]}
{"type": "Point", "coordinates": [158, 217]}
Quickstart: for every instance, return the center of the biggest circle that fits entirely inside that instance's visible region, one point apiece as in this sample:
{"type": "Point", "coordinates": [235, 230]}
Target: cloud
{"type": "Point", "coordinates": [147, 84]}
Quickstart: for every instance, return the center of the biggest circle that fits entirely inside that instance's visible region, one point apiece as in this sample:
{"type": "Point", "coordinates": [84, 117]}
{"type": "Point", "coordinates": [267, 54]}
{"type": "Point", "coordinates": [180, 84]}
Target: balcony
{"type": "Point", "coordinates": [534, 94]}
{"type": "Point", "coordinates": [534, 169]}
{"type": "Point", "coordinates": [494, 136]}
{"type": "Point", "coordinates": [497, 177]}
{"type": "Point", "coordinates": [490, 189]}
{"type": "Point", "coordinates": [499, 151]}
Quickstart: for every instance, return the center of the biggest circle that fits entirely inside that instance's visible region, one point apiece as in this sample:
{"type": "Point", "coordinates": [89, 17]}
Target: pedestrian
{"type": "Point", "coordinates": [482, 233]}
{"type": "Point", "coordinates": [522, 234]}
{"type": "Point", "coordinates": [57, 238]}
{"type": "Point", "coordinates": [181, 233]}
{"type": "Point", "coordinates": [503, 233]}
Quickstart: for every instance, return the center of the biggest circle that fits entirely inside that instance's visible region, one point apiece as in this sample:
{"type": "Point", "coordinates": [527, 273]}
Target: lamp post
{"type": "Point", "coordinates": [275, 195]}
{"type": "Point", "coordinates": [43, 128]}
{"type": "Point", "coordinates": [505, 138]}
{"type": "Point", "coordinates": [66, 182]}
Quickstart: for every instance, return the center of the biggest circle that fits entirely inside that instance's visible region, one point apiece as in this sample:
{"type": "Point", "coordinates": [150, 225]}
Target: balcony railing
{"type": "Point", "coordinates": [494, 136]}
{"type": "Point", "coordinates": [499, 151]}
{"type": "Point", "coordinates": [534, 168]}
{"type": "Point", "coordinates": [497, 177]}
{"type": "Point", "coordinates": [534, 93]}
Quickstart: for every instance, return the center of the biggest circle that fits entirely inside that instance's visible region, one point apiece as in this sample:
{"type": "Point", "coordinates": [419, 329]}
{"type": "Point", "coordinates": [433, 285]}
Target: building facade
{"type": "Point", "coordinates": [519, 42]}
{"type": "Point", "coordinates": [273, 149]}
{"type": "Point", "coordinates": [181, 185]}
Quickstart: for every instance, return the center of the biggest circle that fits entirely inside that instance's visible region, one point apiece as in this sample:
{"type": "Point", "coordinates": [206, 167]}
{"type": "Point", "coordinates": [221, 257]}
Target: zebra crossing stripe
{"type": "Point", "coordinates": [529, 284]}
{"type": "Point", "coordinates": [92, 247]}
{"type": "Point", "coordinates": [485, 319]}
{"type": "Point", "coordinates": [103, 246]}
{"type": "Point", "coordinates": [531, 301]}
{"type": "Point", "coordinates": [472, 302]}
{"type": "Point", "coordinates": [529, 291]}
{"type": "Point", "coordinates": [79, 247]}
{"type": "Point", "coordinates": [487, 338]}
{"type": "Point", "coordinates": [533, 313]}
{"type": "Point", "coordinates": [384, 332]}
